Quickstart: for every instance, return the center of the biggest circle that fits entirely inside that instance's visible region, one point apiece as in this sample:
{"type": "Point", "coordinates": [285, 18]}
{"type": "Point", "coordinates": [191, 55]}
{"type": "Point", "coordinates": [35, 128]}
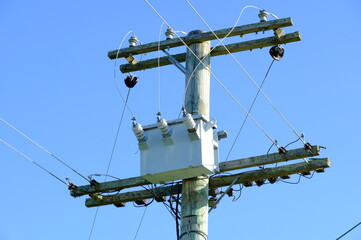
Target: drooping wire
{"type": "Point", "coordinates": [31, 160]}
{"type": "Point", "coordinates": [115, 71]}
{"type": "Point", "coordinates": [42, 148]}
{"type": "Point", "coordinates": [215, 77]}
{"type": "Point", "coordinates": [160, 31]}
{"type": "Point", "coordinates": [247, 74]}
{"type": "Point", "coordinates": [249, 110]}
{"type": "Point", "coordinates": [111, 157]}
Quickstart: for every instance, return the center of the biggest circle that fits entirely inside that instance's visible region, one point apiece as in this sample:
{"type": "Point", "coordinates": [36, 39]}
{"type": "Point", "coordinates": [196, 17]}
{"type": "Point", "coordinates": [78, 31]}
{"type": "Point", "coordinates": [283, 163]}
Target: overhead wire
{"type": "Point", "coordinates": [249, 110]}
{"type": "Point", "coordinates": [118, 129]}
{"type": "Point", "coordinates": [247, 74]}
{"type": "Point", "coordinates": [115, 71]}
{"type": "Point", "coordinates": [111, 157]}
{"type": "Point", "coordinates": [215, 77]}
{"type": "Point", "coordinates": [219, 42]}
{"type": "Point", "coordinates": [31, 160]}
{"type": "Point", "coordinates": [42, 148]}
{"type": "Point", "coordinates": [141, 221]}
{"type": "Point", "coordinates": [159, 89]}
{"type": "Point", "coordinates": [349, 231]}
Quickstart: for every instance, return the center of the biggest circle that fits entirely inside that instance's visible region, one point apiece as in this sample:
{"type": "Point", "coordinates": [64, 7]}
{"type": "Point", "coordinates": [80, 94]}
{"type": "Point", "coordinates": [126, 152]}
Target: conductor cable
{"type": "Point", "coordinates": [42, 148]}
{"type": "Point", "coordinates": [31, 160]}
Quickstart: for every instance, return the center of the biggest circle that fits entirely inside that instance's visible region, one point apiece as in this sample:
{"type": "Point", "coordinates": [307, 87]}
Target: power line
{"type": "Point", "coordinates": [249, 110]}
{"type": "Point", "coordinates": [141, 221]}
{"type": "Point", "coordinates": [31, 160]}
{"type": "Point", "coordinates": [111, 157]}
{"type": "Point", "coordinates": [349, 231]}
{"type": "Point", "coordinates": [42, 148]}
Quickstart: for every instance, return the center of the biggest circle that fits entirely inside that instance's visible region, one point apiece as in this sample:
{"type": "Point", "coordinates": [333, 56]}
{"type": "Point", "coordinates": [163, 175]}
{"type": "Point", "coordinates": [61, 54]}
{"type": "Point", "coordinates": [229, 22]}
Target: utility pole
{"type": "Point", "coordinates": [194, 220]}
{"type": "Point", "coordinates": [195, 186]}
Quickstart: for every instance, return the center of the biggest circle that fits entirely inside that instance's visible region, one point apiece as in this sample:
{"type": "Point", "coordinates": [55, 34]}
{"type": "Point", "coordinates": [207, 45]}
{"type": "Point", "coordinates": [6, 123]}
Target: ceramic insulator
{"type": "Point", "coordinates": [164, 128]}
{"type": "Point", "coordinates": [139, 132]}
{"type": "Point", "coordinates": [189, 122]}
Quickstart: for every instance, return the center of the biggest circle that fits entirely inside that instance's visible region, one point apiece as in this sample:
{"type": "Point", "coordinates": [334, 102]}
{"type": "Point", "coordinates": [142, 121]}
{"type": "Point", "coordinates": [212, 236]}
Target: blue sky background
{"type": "Point", "coordinates": [57, 86]}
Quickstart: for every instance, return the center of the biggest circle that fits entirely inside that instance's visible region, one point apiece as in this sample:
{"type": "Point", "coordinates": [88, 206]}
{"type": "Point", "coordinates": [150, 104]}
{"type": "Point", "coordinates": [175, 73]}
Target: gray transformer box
{"type": "Point", "coordinates": [181, 155]}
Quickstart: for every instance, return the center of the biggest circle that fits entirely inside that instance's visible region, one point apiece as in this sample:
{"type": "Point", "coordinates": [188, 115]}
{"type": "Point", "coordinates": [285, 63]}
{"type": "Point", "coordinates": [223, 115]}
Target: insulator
{"type": "Point", "coordinates": [189, 122]}
{"type": "Point", "coordinates": [139, 132]}
{"type": "Point", "coordinates": [263, 14]}
{"type": "Point", "coordinates": [133, 41]}
{"type": "Point", "coordinates": [169, 33]}
{"type": "Point", "coordinates": [163, 126]}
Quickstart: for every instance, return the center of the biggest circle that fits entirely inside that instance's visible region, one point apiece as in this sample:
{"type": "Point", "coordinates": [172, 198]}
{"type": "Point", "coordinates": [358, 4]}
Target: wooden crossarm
{"type": "Point", "coordinates": [224, 166]}
{"type": "Point", "coordinates": [176, 42]}
{"type": "Point", "coordinates": [215, 182]}
{"type": "Point", "coordinates": [219, 50]}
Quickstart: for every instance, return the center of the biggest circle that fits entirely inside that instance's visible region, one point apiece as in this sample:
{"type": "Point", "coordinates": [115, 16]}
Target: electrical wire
{"type": "Point", "coordinates": [114, 73]}
{"type": "Point", "coordinates": [216, 78]}
{"type": "Point", "coordinates": [141, 221]}
{"type": "Point", "coordinates": [31, 160]}
{"type": "Point", "coordinates": [247, 74]}
{"type": "Point", "coordinates": [42, 148]}
{"type": "Point", "coordinates": [349, 231]}
{"type": "Point", "coordinates": [160, 31]}
{"type": "Point", "coordinates": [111, 157]}
{"type": "Point", "coordinates": [249, 110]}
{"type": "Point", "coordinates": [219, 42]}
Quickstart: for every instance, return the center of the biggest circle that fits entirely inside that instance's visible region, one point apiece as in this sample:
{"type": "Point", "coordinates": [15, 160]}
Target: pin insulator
{"type": "Point", "coordinates": [263, 14]}
{"type": "Point", "coordinates": [133, 40]}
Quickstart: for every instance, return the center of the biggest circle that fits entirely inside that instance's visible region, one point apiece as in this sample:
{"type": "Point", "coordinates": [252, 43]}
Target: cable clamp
{"type": "Point", "coordinates": [282, 150]}
{"type": "Point", "coordinates": [308, 146]}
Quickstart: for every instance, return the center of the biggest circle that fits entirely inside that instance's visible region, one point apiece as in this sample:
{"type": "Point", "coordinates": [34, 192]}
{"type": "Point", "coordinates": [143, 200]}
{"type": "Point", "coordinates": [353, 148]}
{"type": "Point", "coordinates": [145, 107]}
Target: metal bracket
{"type": "Point", "coordinates": [175, 62]}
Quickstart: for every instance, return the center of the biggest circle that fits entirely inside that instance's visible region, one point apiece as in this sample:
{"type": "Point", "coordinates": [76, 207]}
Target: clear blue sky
{"type": "Point", "coordinates": [57, 86]}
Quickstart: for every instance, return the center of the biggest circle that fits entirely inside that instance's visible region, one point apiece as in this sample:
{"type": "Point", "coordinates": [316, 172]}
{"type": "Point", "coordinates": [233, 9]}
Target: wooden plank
{"type": "Point", "coordinates": [269, 159]}
{"type": "Point", "coordinates": [215, 182]}
{"type": "Point", "coordinates": [219, 50]}
{"type": "Point", "coordinates": [176, 42]}
{"type": "Point", "coordinates": [109, 186]}
{"type": "Point", "coordinates": [224, 166]}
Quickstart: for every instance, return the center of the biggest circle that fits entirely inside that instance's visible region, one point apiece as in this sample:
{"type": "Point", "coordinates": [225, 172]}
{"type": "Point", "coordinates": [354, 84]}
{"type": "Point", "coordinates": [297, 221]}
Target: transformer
{"type": "Point", "coordinates": [178, 149]}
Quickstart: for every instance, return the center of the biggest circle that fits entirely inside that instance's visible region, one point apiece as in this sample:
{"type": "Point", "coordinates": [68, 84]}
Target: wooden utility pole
{"type": "Point", "coordinates": [194, 220]}
{"type": "Point", "coordinates": [195, 191]}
